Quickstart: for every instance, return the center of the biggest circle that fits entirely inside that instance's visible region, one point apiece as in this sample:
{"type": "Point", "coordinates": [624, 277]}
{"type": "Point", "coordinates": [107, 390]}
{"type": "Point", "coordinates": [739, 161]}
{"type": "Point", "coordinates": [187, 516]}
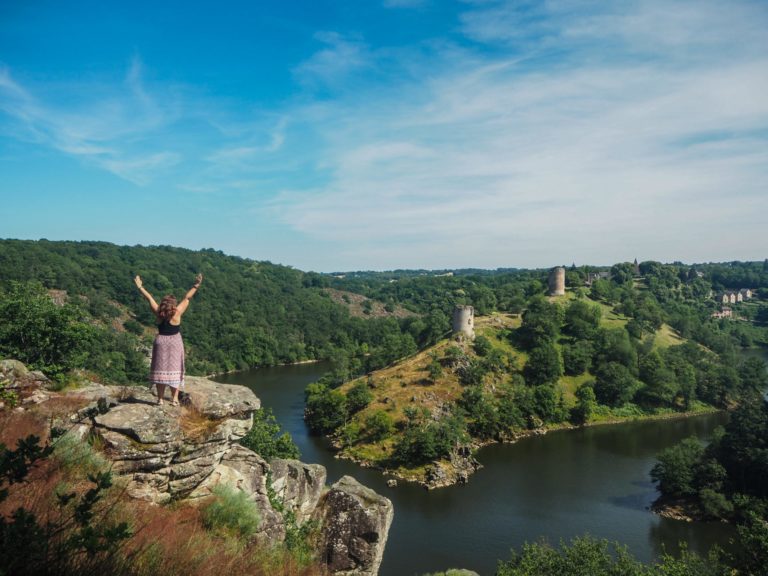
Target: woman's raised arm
{"type": "Point", "coordinates": [184, 304]}
{"type": "Point", "coordinates": [147, 295]}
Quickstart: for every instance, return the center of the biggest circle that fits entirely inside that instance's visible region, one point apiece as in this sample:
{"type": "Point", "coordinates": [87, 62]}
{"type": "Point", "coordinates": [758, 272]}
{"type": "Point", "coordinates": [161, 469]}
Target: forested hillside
{"type": "Point", "coordinates": [632, 342]}
{"type": "Point", "coordinates": [247, 313]}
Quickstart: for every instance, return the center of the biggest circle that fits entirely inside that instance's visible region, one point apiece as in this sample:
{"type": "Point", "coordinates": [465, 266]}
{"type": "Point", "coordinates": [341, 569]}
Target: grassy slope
{"type": "Point", "coordinates": [407, 383]}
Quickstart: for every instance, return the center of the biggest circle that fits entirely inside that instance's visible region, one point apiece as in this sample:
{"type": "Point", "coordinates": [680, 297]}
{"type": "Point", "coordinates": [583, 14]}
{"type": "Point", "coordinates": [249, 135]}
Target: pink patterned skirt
{"type": "Point", "coordinates": [167, 361]}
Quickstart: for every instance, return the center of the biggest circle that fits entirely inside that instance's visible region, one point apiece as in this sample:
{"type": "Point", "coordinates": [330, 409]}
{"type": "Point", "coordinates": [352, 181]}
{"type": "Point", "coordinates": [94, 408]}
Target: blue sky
{"type": "Point", "coordinates": [388, 134]}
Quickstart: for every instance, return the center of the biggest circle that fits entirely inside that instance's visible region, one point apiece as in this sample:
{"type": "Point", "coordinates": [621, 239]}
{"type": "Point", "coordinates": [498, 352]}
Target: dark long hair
{"type": "Point", "coordinates": [167, 308]}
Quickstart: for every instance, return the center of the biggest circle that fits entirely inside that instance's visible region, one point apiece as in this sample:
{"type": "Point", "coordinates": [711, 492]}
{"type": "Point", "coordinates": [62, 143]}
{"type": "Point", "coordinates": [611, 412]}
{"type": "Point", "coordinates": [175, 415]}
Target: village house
{"type": "Point", "coordinates": [724, 313]}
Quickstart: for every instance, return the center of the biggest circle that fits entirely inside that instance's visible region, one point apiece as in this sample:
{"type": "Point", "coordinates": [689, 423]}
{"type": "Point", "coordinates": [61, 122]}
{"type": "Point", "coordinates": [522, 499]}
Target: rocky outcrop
{"type": "Point", "coordinates": [355, 522]}
{"type": "Point", "coordinates": [245, 470]}
{"type": "Point", "coordinates": [166, 453]}
{"type": "Point", "coordinates": [298, 486]}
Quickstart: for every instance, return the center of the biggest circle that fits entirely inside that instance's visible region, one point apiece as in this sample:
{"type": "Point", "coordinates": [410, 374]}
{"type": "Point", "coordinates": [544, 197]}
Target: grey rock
{"type": "Point", "coordinates": [13, 369]}
{"type": "Point", "coordinates": [298, 486]}
{"type": "Point", "coordinates": [355, 523]}
{"type": "Point", "coordinates": [217, 400]}
{"type": "Point", "coordinates": [147, 442]}
{"type": "Point", "coordinates": [243, 469]}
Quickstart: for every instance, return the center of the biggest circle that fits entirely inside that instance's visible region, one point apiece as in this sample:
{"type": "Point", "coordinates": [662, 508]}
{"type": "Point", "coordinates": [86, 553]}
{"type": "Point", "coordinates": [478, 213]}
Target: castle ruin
{"type": "Point", "coordinates": [464, 321]}
{"type": "Point", "coordinates": [557, 281]}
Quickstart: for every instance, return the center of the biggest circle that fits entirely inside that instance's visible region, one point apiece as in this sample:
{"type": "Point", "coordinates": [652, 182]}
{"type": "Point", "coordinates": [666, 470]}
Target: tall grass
{"type": "Point", "coordinates": [231, 512]}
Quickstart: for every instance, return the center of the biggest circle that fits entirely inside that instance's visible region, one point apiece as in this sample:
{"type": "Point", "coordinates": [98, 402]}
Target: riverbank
{"type": "Point", "coordinates": [554, 486]}
{"type": "Point", "coordinates": [462, 464]}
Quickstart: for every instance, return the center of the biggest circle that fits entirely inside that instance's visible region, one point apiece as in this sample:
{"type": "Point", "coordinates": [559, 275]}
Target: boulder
{"type": "Point", "coordinates": [243, 469]}
{"type": "Point", "coordinates": [149, 445]}
{"type": "Point", "coordinates": [298, 486]}
{"type": "Point", "coordinates": [13, 370]}
{"type": "Point", "coordinates": [216, 400]}
{"type": "Point", "coordinates": [355, 522]}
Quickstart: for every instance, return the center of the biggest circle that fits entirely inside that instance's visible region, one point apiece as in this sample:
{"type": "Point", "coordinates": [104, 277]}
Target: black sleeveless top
{"type": "Point", "coordinates": [165, 328]}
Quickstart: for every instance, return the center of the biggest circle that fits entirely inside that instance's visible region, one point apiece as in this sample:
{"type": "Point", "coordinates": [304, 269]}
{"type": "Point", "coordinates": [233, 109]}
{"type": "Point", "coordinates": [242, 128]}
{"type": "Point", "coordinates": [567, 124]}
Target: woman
{"type": "Point", "coordinates": [168, 350]}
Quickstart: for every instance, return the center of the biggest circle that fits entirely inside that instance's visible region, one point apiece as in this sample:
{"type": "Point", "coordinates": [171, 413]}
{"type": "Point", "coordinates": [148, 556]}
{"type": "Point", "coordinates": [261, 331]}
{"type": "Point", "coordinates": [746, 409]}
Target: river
{"type": "Point", "coordinates": [564, 484]}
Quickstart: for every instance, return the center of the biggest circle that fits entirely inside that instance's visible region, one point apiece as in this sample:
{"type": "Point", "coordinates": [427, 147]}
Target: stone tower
{"type": "Point", "coordinates": [557, 281]}
{"type": "Point", "coordinates": [464, 321]}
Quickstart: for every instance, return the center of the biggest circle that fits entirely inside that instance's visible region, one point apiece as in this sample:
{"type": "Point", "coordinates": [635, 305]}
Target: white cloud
{"type": "Point", "coordinates": [504, 162]}
{"type": "Point", "coordinates": [108, 128]}
{"type": "Point", "coordinates": [332, 65]}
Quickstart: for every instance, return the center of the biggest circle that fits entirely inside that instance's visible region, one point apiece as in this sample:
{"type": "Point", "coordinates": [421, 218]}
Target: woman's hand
{"type": "Point", "coordinates": [198, 280]}
{"type": "Point", "coordinates": [138, 282]}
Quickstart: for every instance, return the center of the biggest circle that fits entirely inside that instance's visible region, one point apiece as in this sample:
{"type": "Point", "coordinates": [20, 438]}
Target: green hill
{"type": "Point", "coordinates": [563, 362]}
{"type": "Point", "coordinates": [247, 313]}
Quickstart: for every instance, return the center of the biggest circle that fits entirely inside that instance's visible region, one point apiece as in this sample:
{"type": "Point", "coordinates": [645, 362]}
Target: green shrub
{"type": "Point", "coordinates": [76, 453]}
{"type": "Point", "coordinates": [265, 438]}
{"type": "Point", "coordinates": [231, 512]}
{"type": "Point", "coordinates": [358, 397]}
{"type": "Point", "coordinates": [379, 425]}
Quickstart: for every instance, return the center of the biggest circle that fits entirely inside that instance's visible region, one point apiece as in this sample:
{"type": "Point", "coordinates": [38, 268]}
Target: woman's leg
{"type": "Point", "coordinates": [160, 393]}
{"type": "Point", "coordinates": [175, 398]}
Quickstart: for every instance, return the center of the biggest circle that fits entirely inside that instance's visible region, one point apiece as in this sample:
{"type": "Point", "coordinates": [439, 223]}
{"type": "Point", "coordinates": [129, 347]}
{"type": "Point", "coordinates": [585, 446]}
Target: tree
{"type": "Point", "coordinates": [543, 365]}
{"type": "Point", "coordinates": [577, 357]}
{"type": "Point", "coordinates": [541, 321]}
{"type": "Point", "coordinates": [358, 397]}
{"type": "Point", "coordinates": [613, 345]}
{"type": "Point", "coordinates": [379, 425]}
{"type": "Point", "coordinates": [582, 320]}
{"type": "Point", "coordinates": [265, 437]}
{"type": "Point", "coordinates": [586, 402]}
{"type": "Point", "coordinates": [676, 468]}
{"type": "Point", "coordinates": [42, 334]}
{"type": "Point", "coordinates": [614, 385]}
{"type": "Point", "coordinates": [660, 386]}
{"type": "Point", "coordinates": [325, 410]}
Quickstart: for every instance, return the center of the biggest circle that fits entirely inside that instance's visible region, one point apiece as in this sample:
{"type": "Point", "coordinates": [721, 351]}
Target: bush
{"type": "Point", "coordinates": [231, 512]}
{"type": "Point", "coordinates": [326, 409]}
{"type": "Point", "coordinates": [358, 397]}
{"type": "Point", "coordinates": [379, 425]}
{"type": "Point", "coordinates": [543, 366]}
{"type": "Point", "coordinates": [265, 438]}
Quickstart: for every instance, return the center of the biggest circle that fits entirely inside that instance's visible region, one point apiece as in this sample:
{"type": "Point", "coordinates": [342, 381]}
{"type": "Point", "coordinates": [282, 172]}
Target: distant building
{"type": "Point", "coordinates": [464, 321]}
{"type": "Point", "coordinates": [592, 276]}
{"type": "Point", "coordinates": [730, 297]}
{"type": "Point", "coordinates": [724, 313]}
{"type": "Point", "coordinates": [746, 293]}
{"type": "Point", "coordinates": [636, 268]}
{"type": "Point", "coordinates": [556, 281]}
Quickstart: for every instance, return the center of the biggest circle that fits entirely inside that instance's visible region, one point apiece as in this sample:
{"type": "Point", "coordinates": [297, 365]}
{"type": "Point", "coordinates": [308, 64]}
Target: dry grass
{"type": "Point", "coordinates": [171, 541]}
{"type": "Point", "coordinates": [355, 304]}
{"type": "Point", "coordinates": [196, 426]}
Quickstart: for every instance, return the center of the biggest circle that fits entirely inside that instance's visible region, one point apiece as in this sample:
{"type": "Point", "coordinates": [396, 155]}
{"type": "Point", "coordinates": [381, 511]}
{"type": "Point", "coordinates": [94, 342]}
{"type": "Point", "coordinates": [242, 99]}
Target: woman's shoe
{"type": "Point", "coordinates": [174, 402]}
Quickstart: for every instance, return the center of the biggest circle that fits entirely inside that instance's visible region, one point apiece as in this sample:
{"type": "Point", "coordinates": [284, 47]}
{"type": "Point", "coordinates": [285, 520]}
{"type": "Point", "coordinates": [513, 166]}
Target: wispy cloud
{"type": "Point", "coordinates": [108, 129]}
{"type": "Point", "coordinates": [332, 65]}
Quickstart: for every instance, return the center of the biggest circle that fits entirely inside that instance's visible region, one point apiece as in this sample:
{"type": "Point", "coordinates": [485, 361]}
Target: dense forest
{"type": "Point", "coordinates": [248, 313]}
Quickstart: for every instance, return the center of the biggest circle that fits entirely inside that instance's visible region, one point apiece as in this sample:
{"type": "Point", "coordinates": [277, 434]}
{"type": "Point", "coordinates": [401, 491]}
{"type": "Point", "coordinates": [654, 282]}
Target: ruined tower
{"type": "Point", "coordinates": [557, 281]}
{"type": "Point", "coordinates": [464, 321]}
